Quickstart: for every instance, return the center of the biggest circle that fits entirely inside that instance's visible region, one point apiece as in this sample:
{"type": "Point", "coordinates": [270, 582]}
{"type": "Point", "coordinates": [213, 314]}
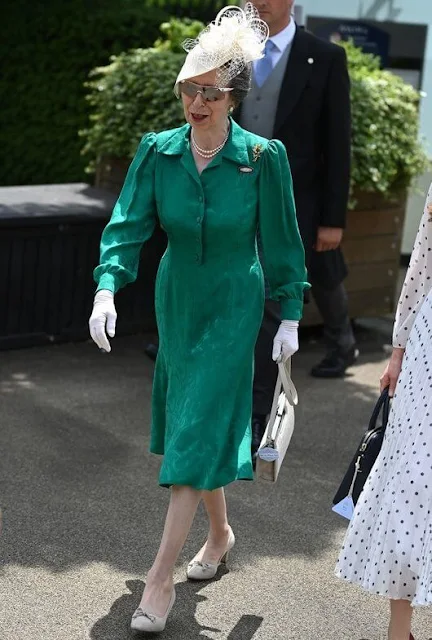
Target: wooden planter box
{"type": "Point", "coordinates": [371, 245]}
{"type": "Point", "coordinates": [110, 173]}
{"type": "Point", "coordinates": [49, 246]}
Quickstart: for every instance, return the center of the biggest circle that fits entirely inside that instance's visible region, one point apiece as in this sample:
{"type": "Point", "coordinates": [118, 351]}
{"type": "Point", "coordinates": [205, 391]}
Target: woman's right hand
{"type": "Point", "coordinates": [392, 371]}
{"type": "Point", "coordinates": [103, 319]}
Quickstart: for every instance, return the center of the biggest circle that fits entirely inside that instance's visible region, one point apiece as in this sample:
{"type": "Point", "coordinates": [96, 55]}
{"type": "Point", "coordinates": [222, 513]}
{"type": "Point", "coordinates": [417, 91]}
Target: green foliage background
{"type": "Point", "coordinates": [48, 48]}
{"type": "Point", "coordinates": [134, 95]}
{"type": "Point", "coordinates": [387, 153]}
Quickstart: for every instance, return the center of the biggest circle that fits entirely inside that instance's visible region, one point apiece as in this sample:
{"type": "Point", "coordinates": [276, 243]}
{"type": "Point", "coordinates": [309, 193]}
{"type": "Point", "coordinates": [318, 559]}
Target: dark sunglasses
{"type": "Point", "coordinates": [210, 94]}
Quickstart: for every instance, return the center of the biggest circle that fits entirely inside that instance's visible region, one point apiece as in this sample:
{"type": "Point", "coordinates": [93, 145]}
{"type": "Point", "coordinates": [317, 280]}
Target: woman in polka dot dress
{"type": "Point", "coordinates": [388, 546]}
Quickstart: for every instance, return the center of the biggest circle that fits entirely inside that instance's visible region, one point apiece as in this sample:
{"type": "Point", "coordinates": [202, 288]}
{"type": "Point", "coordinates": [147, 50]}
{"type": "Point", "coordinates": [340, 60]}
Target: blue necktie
{"type": "Point", "coordinates": [264, 66]}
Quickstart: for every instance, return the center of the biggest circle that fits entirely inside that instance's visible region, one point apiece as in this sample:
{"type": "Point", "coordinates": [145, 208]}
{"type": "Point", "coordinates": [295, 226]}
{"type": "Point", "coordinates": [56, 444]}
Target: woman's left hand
{"type": "Point", "coordinates": [286, 343]}
{"type": "Point", "coordinates": [392, 371]}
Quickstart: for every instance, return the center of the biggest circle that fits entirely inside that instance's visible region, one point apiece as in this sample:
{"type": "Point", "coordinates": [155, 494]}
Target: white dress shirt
{"type": "Point", "coordinates": [281, 40]}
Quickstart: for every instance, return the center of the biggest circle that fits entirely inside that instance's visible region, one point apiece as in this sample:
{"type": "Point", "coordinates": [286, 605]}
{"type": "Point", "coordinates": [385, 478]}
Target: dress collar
{"type": "Point", "coordinates": [235, 148]}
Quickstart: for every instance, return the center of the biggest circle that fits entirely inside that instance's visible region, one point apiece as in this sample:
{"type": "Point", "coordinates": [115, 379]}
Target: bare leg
{"type": "Point", "coordinates": [181, 511]}
{"type": "Point", "coordinates": [219, 530]}
{"type": "Point", "coordinates": [400, 621]}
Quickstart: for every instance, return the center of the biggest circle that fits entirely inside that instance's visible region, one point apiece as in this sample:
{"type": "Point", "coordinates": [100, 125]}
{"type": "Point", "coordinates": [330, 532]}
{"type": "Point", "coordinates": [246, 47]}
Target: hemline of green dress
{"type": "Point", "coordinates": [209, 289]}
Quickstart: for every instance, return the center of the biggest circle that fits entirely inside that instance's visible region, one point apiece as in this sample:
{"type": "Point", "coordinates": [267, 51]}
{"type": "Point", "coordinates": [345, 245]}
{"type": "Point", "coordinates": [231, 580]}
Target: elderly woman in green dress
{"type": "Point", "coordinates": [212, 186]}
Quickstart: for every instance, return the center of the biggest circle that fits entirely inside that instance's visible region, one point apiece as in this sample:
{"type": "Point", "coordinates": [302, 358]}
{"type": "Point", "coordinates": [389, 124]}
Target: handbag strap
{"type": "Point", "coordinates": [383, 405]}
{"type": "Point", "coordinates": [287, 383]}
{"type": "Point", "coordinates": [283, 383]}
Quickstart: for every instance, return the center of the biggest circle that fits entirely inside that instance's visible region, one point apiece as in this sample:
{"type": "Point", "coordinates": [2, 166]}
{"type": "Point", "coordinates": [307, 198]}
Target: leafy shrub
{"type": "Point", "coordinates": [131, 96]}
{"type": "Point", "coordinates": [175, 32]}
{"type": "Point", "coordinates": [134, 94]}
{"type": "Point", "coordinates": [209, 6]}
{"type": "Point", "coordinates": [386, 151]}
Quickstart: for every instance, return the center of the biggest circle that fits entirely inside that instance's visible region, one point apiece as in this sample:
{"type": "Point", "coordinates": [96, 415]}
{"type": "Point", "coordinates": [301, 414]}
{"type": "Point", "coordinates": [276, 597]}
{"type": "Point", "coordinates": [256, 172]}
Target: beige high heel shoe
{"type": "Point", "coordinates": [146, 622]}
{"type": "Point", "coordinates": [198, 570]}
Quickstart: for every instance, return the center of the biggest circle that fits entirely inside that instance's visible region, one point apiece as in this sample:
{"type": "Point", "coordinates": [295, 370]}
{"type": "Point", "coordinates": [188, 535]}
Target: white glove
{"type": "Point", "coordinates": [104, 315]}
{"type": "Point", "coordinates": [285, 343]}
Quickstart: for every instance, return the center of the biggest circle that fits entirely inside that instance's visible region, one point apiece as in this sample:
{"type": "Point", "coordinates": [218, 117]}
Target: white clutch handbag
{"type": "Point", "coordinates": [280, 427]}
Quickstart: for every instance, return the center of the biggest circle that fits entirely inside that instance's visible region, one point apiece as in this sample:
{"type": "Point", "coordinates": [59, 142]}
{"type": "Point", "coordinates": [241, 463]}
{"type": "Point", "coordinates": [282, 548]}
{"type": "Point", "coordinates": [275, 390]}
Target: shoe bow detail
{"type": "Point", "coordinates": [140, 613]}
{"type": "Point", "coordinates": [203, 565]}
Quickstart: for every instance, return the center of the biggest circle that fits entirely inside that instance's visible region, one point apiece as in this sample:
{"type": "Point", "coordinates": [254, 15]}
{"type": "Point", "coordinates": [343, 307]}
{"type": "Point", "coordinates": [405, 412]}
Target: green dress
{"type": "Point", "coordinates": [209, 289]}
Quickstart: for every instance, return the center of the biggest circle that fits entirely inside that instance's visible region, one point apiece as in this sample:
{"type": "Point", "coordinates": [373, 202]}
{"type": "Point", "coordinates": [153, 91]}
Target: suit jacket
{"type": "Point", "coordinates": [313, 120]}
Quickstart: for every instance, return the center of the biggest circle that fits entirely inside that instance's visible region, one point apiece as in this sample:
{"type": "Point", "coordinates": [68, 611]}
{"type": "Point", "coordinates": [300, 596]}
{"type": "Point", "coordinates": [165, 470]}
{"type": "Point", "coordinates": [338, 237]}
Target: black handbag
{"type": "Point", "coordinates": [366, 454]}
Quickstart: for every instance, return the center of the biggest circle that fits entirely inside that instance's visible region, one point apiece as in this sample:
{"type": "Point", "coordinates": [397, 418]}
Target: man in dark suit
{"type": "Point", "coordinates": [301, 96]}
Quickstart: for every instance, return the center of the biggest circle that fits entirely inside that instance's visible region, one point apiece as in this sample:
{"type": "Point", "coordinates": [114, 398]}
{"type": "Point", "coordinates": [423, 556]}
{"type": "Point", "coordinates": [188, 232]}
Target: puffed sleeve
{"type": "Point", "coordinates": [132, 221]}
{"type": "Point", "coordinates": [418, 281]}
{"type": "Point", "coordinates": [282, 247]}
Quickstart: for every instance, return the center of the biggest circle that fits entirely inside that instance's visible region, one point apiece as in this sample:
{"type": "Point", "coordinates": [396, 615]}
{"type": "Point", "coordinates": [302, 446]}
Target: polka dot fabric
{"type": "Point", "coordinates": [418, 280]}
{"type": "Point", "coordinates": [388, 546]}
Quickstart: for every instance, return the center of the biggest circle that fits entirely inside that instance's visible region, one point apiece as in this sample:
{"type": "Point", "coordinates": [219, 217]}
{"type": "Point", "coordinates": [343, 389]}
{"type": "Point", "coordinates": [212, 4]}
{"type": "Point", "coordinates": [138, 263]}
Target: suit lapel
{"type": "Point", "coordinates": [299, 68]}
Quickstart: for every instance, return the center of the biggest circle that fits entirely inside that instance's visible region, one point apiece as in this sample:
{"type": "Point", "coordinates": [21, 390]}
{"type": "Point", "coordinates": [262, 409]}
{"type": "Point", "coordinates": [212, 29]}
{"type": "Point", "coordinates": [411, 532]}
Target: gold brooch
{"type": "Point", "coordinates": [257, 150]}
{"type": "Point", "coordinates": [429, 208]}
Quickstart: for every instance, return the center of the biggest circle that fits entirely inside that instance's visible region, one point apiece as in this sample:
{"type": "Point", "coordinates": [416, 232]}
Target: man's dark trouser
{"type": "Point", "coordinates": [333, 307]}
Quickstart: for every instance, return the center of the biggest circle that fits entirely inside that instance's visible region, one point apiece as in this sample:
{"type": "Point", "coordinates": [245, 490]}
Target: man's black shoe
{"type": "Point", "coordinates": [258, 428]}
{"type": "Point", "coordinates": [151, 351]}
{"type": "Point", "coordinates": [335, 364]}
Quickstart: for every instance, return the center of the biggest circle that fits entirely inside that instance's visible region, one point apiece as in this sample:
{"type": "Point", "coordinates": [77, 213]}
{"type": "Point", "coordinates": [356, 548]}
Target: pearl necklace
{"type": "Point", "coordinates": [208, 153]}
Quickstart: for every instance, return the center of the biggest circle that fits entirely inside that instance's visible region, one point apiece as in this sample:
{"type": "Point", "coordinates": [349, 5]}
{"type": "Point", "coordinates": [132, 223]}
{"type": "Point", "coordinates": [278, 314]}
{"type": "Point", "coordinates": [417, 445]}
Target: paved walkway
{"type": "Point", "coordinates": [83, 512]}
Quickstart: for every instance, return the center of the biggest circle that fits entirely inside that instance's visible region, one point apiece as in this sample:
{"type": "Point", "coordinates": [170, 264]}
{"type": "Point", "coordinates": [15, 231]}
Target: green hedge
{"type": "Point", "coordinates": [127, 95]}
{"type": "Point", "coordinates": [134, 94]}
{"type": "Point", "coordinates": [47, 48]}
{"type": "Point", "coordinates": [387, 152]}
{"type": "Point", "coordinates": [128, 99]}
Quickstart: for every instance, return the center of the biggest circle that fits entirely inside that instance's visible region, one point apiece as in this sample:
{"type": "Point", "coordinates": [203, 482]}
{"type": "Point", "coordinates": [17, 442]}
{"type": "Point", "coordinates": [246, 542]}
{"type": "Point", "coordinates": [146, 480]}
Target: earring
{"type": "Point", "coordinates": [231, 110]}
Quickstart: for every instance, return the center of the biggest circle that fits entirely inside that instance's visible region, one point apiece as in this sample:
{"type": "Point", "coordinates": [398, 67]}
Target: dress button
{"type": "Point", "coordinates": [198, 220]}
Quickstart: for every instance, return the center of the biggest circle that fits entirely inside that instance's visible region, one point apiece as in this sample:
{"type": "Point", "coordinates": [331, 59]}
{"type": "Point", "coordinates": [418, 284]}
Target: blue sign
{"type": "Point", "coordinates": [369, 39]}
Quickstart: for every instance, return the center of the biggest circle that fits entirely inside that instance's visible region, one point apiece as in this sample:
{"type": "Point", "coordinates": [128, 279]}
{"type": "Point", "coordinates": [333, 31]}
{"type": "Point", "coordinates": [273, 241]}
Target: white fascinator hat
{"type": "Point", "coordinates": [236, 38]}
